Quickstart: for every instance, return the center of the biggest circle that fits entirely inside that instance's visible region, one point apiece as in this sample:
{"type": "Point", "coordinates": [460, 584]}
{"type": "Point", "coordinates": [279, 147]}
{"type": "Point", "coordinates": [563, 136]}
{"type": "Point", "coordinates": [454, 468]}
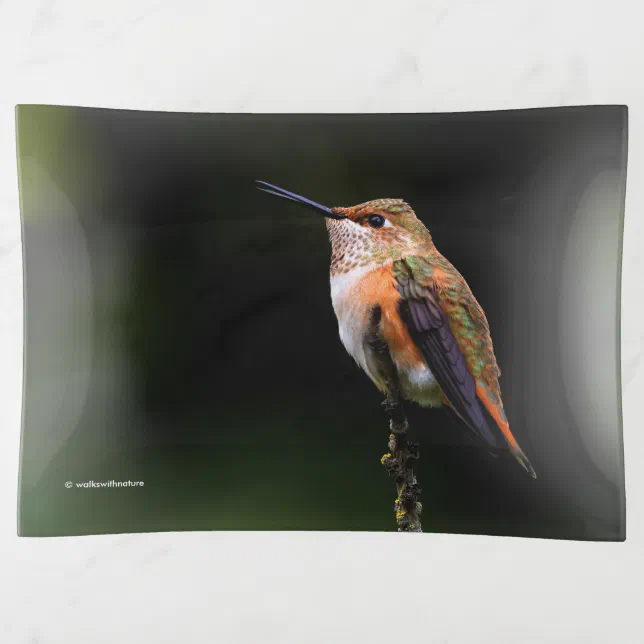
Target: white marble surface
{"type": "Point", "coordinates": [327, 56]}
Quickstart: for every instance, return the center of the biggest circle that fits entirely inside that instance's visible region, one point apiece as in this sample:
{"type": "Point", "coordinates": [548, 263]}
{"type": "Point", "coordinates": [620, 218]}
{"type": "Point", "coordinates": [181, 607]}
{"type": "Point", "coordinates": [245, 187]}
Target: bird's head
{"type": "Point", "coordinates": [375, 232]}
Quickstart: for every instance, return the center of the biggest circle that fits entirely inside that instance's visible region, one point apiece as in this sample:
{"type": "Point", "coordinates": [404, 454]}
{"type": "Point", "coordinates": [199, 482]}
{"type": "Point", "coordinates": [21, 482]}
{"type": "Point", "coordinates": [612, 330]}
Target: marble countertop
{"type": "Point", "coordinates": [289, 56]}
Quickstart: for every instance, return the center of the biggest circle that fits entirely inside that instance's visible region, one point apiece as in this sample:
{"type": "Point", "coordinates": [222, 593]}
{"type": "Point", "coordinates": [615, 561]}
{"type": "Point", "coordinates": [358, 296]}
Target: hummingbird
{"type": "Point", "coordinates": [409, 319]}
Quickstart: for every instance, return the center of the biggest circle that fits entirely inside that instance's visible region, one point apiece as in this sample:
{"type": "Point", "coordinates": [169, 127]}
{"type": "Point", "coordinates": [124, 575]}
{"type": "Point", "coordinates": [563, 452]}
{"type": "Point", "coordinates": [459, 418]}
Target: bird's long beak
{"type": "Point", "coordinates": [285, 194]}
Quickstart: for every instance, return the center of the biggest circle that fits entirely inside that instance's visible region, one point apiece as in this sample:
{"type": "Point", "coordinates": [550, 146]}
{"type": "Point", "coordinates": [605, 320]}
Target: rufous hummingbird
{"type": "Point", "coordinates": [409, 319]}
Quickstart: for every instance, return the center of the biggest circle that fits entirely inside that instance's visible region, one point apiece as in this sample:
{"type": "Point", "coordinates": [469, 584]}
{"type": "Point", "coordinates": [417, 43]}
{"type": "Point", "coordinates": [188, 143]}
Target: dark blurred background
{"type": "Point", "coordinates": [179, 328]}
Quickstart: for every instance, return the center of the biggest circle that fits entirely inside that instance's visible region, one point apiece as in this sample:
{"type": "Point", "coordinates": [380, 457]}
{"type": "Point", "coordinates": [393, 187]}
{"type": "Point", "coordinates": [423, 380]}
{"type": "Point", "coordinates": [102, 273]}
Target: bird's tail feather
{"type": "Point", "coordinates": [497, 416]}
{"type": "Point", "coordinates": [499, 442]}
{"type": "Point", "coordinates": [517, 452]}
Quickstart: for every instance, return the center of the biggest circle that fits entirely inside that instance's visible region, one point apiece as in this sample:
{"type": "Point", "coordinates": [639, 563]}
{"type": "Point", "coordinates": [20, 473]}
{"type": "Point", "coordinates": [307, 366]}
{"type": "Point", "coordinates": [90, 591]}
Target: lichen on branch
{"type": "Point", "coordinates": [398, 464]}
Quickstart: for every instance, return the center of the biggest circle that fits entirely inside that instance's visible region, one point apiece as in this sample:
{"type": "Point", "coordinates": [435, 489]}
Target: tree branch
{"type": "Point", "coordinates": [398, 464]}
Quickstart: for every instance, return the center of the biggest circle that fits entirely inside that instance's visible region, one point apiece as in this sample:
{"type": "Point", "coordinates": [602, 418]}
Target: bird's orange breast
{"type": "Point", "coordinates": [377, 288]}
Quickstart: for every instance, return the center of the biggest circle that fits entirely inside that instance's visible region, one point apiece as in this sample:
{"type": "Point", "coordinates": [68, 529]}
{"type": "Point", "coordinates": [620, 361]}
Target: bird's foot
{"type": "Point", "coordinates": [398, 427]}
{"type": "Point", "coordinates": [396, 414]}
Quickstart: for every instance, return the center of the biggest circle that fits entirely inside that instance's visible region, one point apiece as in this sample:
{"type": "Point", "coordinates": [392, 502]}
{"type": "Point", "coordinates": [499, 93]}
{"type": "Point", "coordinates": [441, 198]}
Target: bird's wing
{"type": "Point", "coordinates": [450, 329]}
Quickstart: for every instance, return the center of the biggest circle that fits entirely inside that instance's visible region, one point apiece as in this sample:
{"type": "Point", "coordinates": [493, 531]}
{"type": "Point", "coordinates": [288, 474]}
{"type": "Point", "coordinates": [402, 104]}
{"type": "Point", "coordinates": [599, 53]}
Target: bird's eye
{"type": "Point", "coordinates": [376, 221]}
